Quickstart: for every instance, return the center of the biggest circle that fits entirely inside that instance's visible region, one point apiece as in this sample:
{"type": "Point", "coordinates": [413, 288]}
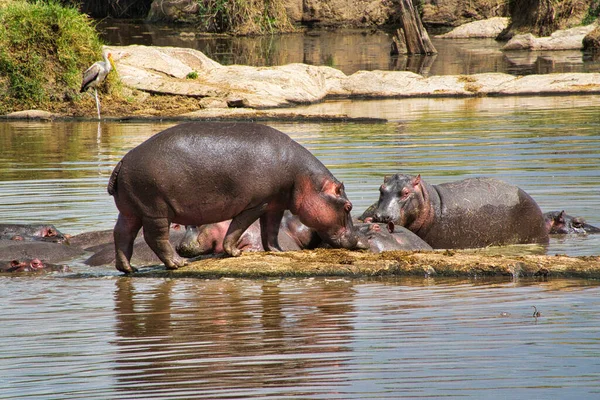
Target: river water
{"type": "Point", "coordinates": [97, 335]}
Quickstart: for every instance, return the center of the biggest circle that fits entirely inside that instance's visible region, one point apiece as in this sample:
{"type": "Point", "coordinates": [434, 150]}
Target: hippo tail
{"type": "Point", "coordinates": [112, 182]}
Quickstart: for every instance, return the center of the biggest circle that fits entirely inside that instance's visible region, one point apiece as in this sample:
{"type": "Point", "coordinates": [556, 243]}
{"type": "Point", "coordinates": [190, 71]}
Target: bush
{"type": "Point", "coordinates": [44, 47]}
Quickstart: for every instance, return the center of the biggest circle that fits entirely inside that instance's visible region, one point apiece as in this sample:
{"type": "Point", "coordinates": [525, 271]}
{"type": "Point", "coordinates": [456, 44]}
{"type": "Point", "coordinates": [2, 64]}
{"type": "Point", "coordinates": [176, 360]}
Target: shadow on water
{"type": "Point", "coordinates": [351, 51]}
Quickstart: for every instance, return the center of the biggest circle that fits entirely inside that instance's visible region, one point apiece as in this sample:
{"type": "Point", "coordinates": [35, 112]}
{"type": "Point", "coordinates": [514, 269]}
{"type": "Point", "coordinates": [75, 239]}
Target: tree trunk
{"type": "Point", "coordinates": [411, 38]}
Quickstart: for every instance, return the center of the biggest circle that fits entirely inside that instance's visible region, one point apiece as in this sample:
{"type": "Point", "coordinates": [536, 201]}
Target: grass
{"type": "Point", "coordinates": [44, 47]}
{"type": "Point", "coordinates": [244, 17]}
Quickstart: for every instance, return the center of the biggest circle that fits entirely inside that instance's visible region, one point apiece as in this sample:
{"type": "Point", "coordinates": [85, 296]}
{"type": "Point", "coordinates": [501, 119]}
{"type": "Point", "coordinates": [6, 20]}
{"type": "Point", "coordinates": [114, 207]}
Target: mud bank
{"type": "Point", "coordinates": [327, 262]}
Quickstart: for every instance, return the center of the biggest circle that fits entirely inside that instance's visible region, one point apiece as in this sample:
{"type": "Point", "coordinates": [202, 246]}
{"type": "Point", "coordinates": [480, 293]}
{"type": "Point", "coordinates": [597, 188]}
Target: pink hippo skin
{"type": "Point", "coordinates": [208, 239]}
{"type": "Point", "coordinates": [470, 213]}
{"type": "Point", "coordinates": [205, 172]}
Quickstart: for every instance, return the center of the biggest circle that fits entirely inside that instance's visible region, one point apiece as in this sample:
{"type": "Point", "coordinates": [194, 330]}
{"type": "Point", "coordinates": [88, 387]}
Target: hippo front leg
{"type": "Point", "coordinates": [238, 226]}
{"type": "Point", "coordinates": [269, 230]}
{"type": "Point", "coordinates": [156, 234]}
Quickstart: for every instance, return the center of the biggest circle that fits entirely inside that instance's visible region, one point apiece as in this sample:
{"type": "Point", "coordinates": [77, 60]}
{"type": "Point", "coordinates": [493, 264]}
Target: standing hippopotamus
{"type": "Point", "coordinates": [474, 212]}
{"type": "Point", "coordinates": [28, 232]}
{"type": "Point", "coordinates": [204, 172]}
{"type": "Point", "coordinates": [558, 222]}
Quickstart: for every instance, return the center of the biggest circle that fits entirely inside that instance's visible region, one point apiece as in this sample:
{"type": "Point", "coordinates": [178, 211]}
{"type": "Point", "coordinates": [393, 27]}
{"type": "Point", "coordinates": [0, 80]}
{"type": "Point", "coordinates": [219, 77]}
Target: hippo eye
{"type": "Point", "coordinates": [404, 193]}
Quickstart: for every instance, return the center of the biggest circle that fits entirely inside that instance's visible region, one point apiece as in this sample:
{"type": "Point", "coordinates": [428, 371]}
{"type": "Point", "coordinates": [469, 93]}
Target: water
{"type": "Point", "coordinates": [96, 335]}
{"type": "Point", "coordinates": [352, 50]}
{"type": "Point", "coordinates": [311, 338]}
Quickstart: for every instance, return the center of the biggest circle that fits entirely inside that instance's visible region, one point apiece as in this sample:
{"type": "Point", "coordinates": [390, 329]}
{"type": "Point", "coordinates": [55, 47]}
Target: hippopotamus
{"type": "Point", "coordinates": [387, 237]}
{"type": "Point", "coordinates": [104, 253]}
{"type": "Point", "coordinates": [205, 172]}
{"type": "Point", "coordinates": [558, 222]}
{"type": "Point", "coordinates": [31, 265]}
{"type": "Point", "coordinates": [45, 251]}
{"type": "Point", "coordinates": [470, 213]}
{"type": "Point", "coordinates": [208, 238]}
{"type": "Point", "coordinates": [29, 232]}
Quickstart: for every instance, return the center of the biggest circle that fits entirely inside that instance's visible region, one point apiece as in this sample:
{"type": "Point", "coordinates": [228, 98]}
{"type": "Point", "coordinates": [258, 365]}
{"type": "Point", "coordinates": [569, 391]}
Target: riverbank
{"type": "Point", "coordinates": [180, 83]}
{"type": "Point", "coordinates": [329, 262]}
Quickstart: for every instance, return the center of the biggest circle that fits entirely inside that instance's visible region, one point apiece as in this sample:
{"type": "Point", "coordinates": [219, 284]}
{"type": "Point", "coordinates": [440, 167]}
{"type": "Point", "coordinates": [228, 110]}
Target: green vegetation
{"type": "Point", "coordinates": [192, 75]}
{"type": "Point", "coordinates": [44, 47]}
{"type": "Point", "coordinates": [244, 17]}
{"type": "Point", "coordinates": [593, 13]}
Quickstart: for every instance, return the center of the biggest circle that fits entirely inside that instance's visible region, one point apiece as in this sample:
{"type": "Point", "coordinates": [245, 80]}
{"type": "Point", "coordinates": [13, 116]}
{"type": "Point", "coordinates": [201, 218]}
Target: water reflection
{"type": "Point", "coordinates": [230, 334]}
{"type": "Point", "coordinates": [351, 51]}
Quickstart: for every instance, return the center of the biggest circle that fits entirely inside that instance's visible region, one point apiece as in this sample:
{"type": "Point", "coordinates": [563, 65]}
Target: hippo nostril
{"type": "Point", "coordinates": [380, 218]}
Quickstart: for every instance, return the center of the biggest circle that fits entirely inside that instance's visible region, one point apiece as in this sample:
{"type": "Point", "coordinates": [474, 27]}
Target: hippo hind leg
{"type": "Point", "coordinates": [269, 230]}
{"type": "Point", "coordinates": [125, 232]}
{"type": "Point", "coordinates": [156, 235]}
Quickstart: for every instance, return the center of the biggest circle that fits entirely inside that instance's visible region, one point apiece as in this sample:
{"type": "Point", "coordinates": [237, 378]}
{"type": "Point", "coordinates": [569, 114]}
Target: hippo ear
{"type": "Point", "coordinates": [386, 178]}
{"type": "Point", "coordinates": [417, 180]}
{"type": "Point", "coordinates": [332, 188]}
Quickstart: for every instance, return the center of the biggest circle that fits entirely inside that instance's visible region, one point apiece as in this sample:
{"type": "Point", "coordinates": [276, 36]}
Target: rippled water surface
{"type": "Point", "coordinates": [124, 338]}
{"type": "Point", "coordinates": [94, 334]}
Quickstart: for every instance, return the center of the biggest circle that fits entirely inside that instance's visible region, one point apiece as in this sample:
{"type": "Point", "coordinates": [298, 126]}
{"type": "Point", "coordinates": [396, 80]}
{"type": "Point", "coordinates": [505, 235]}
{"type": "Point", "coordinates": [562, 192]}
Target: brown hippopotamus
{"type": "Point", "coordinates": [476, 212]}
{"type": "Point", "coordinates": [560, 223]}
{"type": "Point", "coordinates": [205, 172]}
{"type": "Point", "coordinates": [29, 232]}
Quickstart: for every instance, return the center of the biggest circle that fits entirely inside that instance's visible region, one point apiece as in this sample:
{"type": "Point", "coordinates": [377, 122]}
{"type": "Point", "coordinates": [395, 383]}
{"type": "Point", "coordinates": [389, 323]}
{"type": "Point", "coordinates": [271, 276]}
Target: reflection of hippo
{"type": "Point", "coordinates": [475, 212]}
{"type": "Point", "coordinates": [31, 265]}
{"type": "Point", "coordinates": [45, 251]}
{"type": "Point", "coordinates": [205, 172]}
{"type": "Point", "coordinates": [386, 237]}
{"type": "Point", "coordinates": [208, 239]}
{"type": "Point", "coordinates": [557, 222]}
{"type": "Point", "coordinates": [26, 232]}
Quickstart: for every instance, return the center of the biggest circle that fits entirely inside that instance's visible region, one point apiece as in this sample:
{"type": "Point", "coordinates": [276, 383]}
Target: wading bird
{"type": "Point", "coordinates": [95, 75]}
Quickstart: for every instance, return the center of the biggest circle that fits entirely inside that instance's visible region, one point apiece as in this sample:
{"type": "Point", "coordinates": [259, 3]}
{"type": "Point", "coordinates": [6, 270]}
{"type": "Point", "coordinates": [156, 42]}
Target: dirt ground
{"type": "Point", "coordinates": [329, 262]}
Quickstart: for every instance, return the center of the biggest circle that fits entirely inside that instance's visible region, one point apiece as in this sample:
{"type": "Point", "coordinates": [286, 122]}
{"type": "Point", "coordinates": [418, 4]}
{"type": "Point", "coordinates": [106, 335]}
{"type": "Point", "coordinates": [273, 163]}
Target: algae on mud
{"type": "Point", "coordinates": [337, 262]}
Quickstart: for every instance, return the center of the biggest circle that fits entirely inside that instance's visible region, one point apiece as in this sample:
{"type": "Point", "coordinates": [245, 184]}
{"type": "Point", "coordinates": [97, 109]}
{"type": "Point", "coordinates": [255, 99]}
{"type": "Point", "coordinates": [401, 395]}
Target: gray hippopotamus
{"type": "Point", "coordinates": [205, 172]}
{"type": "Point", "coordinates": [387, 237]}
{"type": "Point", "coordinates": [29, 232]}
{"type": "Point", "coordinates": [560, 223]}
{"type": "Point", "coordinates": [45, 251]}
{"type": "Point", "coordinates": [104, 253]}
{"type": "Point", "coordinates": [476, 212]}
{"type": "Point", "coordinates": [208, 238]}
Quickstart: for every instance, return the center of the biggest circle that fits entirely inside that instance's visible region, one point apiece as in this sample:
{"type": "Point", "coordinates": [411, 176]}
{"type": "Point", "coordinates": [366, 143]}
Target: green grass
{"type": "Point", "coordinates": [44, 48]}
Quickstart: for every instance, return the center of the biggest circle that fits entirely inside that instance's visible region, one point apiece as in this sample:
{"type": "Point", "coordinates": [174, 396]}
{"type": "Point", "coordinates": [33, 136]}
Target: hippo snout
{"type": "Point", "coordinates": [381, 217]}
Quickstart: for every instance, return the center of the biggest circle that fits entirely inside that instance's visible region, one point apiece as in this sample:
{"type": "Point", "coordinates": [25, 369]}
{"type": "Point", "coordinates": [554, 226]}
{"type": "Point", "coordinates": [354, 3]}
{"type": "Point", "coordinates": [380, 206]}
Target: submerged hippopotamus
{"type": "Point", "coordinates": [470, 213]}
{"type": "Point", "coordinates": [205, 172]}
{"type": "Point", "coordinates": [558, 222]}
{"type": "Point", "coordinates": [31, 265]}
{"type": "Point", "coordinates": [208, 238]}
{"type": "Point", "coordinates": [29, 232]}
{"type": "Point", "coordinates": [45, 251]}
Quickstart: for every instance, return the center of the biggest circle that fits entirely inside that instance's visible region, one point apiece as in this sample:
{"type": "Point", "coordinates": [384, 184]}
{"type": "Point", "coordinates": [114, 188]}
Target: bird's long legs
{"type": "Point", "coordinates": [97, 102]}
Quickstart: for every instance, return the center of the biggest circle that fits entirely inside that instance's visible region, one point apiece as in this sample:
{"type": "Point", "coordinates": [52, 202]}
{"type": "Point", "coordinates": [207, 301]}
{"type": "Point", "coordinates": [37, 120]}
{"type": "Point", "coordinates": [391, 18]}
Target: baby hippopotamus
{"type": "Point", "coordinates": [205, 172]}
{"type": "Point", "coordinates": [470, 213]}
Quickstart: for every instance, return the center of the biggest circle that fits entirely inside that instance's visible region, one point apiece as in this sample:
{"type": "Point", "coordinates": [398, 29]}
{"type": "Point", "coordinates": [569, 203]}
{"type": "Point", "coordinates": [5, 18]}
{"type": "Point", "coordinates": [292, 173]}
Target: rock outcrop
{"type": "Point", "coordinates": [487, 28]}
{"type": "Point", "coordinates": [167, 70]}
{"type": "Point", "coordinates": [560, 40]}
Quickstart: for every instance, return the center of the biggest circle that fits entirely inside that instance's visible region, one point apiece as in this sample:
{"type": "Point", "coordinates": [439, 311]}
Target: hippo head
{"type": "Point", "coordinates": [326, 209]}
{"type": "Point", "coordinates": [556, 224]}
{"type": "Point", "coordinates": [50, 234]}
{"type": "Point", "coordinates": [401, 200]}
